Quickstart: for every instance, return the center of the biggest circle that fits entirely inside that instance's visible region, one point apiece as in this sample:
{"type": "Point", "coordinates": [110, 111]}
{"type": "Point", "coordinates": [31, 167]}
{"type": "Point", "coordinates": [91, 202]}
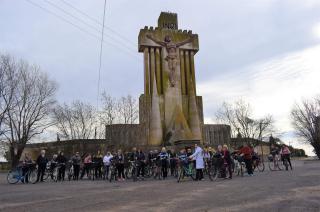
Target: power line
{"type": "Point", "coordinates": [98, 22]}
{"type": "Point", "coordinates": [80, 28]}
{"type": "Point", "coordinates": [100, 59]}
{"type": "Point", "coordinates": [89, 25]}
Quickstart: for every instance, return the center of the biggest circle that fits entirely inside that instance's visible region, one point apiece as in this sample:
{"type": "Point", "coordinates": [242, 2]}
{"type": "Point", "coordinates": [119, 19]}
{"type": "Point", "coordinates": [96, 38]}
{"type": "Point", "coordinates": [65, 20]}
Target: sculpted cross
{"type": "Point", "coordinates": [172, 57]}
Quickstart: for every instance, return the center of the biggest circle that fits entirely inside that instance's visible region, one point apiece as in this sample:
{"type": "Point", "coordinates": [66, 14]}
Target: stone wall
{"type": "Point", "coordinates": [126, 135]}
{"type": "Point", "coordinates": [215, 134]}
{"type": "Point", "coordinates": [69, 147]}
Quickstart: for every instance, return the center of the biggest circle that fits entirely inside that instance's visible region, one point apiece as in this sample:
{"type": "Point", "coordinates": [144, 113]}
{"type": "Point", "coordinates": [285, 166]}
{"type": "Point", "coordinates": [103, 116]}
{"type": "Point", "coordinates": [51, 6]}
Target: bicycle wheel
{"type": "Point", "coordinates": [286, 165]}
{"type": "Point", "coordinates": [46, 175]}
{"type": "Point", "coordinates": [32, 176]}
{"type": "Point", "coordinates": [112, 175]}
{"type": "Point", "coordinates": [261, 166]}
{"type": "Point", "coordinates": [242, 169]}
{"type": "Point", "coordinates": [147, 172]}
{"type": "Point", "coordinates": [134, 174]}
{"type": "Point", "coordinates": [54, 175]}
{"type": "Point", "coordinates": [128, 172]}
{"type": "Point", "coordinates": [13, 177]}
{"type": "Point", "coordinates": [280, 165]}
{"type": "Point", "coordinates": [193, 173]}
{"type": "Point", "coordinates": [272, 165]}
{"type": "Point", "coordinates": [209, 174]}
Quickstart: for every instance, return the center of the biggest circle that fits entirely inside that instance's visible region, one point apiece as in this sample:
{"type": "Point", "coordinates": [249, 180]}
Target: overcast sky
{"type": "Point", "coordinates": [265, 51]}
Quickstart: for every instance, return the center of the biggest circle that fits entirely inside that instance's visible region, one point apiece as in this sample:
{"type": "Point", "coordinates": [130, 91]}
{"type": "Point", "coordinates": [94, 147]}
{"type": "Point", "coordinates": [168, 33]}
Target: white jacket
{"type": "Point", "coordinates": [107, 160]}
{"type": "Point", "coordinates": [198, 156]}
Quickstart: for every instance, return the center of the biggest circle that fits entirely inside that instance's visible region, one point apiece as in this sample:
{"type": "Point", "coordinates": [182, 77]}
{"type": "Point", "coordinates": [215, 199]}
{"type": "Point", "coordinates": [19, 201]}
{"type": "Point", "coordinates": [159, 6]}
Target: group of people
{"type": "Point", "coordinates": [164, 159]}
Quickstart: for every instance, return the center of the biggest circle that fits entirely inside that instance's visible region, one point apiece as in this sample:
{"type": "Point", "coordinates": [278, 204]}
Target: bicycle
{"type": "Point", "coordinates": [239, 165]}
{"type": "Point", "coordinates": [285, 162]}
{"type": "Point", "coordinates": [15, 175]}
{"type": "Point", "coordinates": [186, 170]}
{"type": "Point", "coordinates": [113, 172]}
{"type": "Point", "coordinates": [208, 169]}
{"type": "Point", "coordinates": [258, 163]}
{"type": "Point", "coordinates": [71, 172]}
{"type": "Point", "coordinates": [275, 162]}
{"type": "Point", "coordinates": [155, 169]}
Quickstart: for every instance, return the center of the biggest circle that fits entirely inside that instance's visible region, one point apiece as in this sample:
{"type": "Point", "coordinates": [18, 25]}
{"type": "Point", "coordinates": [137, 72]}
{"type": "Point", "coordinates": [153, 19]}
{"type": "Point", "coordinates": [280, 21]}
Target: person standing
{"type": "Point", "coordinates": [141, 159]}
{"type": "Point", "coordinates": [62, 160]}
{"type": "Point", "coordinates": [198, 156]}
{"type": "Point", "coordinates": [227, 161]}
{"type": "Point", "coordinates": [76, 160]}
{"type": "Point", "coordinates": [86, 165]}
{"type": "Point", "coordinates": [42, 164]}
{"type": "Point", "coordinates": [119, 158]}
{"type": "Point", "coordinates": [26, 165]}
{"type": "Point", "coordinates": [106, 164]}
{"type": "Point", "coordinates": [163, 156]}
{"type": "Point", "coordinates": [246, 152]}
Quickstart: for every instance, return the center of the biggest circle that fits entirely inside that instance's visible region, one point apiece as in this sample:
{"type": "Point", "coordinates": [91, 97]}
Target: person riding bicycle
{"type": "Point", "coordinates": [274, 150]}
{"type": "Point", "coordinates": [106, 163]}
{"type": "Point", "coordinates": [285, 155]}
{"type": "Point", "coordinates": [163, 156]}
{"type": "Point", "coordinates": [62, 160]}
{"type": "Point", "coordinates": [141, 159]}
{"type": "Point", "coordinates": [42, 164]}
{"type": "Point", "coordinates": [76, 161]}
{"type": "Point", "coordinates": [246, 152]}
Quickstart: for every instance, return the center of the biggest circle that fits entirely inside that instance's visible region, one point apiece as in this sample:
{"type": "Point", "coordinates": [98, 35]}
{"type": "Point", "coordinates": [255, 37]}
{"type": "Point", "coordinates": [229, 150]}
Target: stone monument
{"type": "Point", "coordinates": [169, 108]}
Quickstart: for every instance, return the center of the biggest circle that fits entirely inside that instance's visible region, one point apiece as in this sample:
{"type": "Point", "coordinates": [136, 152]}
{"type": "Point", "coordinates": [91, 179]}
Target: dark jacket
{"type": "Point", "coordinates": [76, 160]}
{"type": "Point", "coordinates": [141, 156]}
{"type": "Point", "coordinates": [61, 159]}
{"type": "Point", "coordinates": [227, 157]}
{"type": "Point", "coordinates": [42, 161]}
{"type": "Point", "coordinates": [119, 159]}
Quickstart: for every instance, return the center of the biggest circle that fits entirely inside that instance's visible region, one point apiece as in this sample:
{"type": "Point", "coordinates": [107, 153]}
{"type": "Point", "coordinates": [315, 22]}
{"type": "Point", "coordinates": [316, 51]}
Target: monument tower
{"type": "Point", "coordinates": [170, 111]}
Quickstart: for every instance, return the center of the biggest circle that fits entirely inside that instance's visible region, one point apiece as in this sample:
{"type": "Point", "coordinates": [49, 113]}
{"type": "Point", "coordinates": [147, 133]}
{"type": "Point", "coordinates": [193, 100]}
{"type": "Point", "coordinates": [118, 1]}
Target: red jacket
{"type": "Point", "coordinates": [247, 151]}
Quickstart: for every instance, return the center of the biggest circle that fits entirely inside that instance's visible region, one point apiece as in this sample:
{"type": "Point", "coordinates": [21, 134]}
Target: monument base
{"type": "Point", "coordinates": [182, 144]}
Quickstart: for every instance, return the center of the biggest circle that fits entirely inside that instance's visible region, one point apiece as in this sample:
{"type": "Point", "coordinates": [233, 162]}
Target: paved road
{"type": "Point", "coordinates": [297, 190]}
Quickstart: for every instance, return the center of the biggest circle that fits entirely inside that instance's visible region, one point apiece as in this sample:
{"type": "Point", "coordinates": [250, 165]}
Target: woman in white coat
{"type": "Point", "coordinates": [198, 156]}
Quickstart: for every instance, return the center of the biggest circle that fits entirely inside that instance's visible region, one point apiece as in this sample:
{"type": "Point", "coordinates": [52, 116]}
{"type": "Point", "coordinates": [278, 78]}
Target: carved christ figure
{"type": "Point", "coordinates": [172, 57]}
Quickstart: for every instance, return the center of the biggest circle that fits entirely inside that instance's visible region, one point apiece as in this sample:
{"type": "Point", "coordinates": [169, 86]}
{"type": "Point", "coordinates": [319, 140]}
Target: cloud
{"type": "Point", "coordinates": [271, 86]}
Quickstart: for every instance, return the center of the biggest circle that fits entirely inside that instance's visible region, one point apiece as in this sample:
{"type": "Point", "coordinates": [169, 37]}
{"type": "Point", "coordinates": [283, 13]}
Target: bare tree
{"type": "Point", "coordinates": [239, 116]}
{"type": "Point", "coordinates": [28, 105]}
{"type": "Point", "coordinates": [128, 110]}
{"type": "Point", "coordinates": [76, 121]}
{"type": "Point", "coordinates": [109, 110]}
{"type": "Point", "coordinates": [306, 121]}
{"type": "Point", "coordinates": [8, 82]}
